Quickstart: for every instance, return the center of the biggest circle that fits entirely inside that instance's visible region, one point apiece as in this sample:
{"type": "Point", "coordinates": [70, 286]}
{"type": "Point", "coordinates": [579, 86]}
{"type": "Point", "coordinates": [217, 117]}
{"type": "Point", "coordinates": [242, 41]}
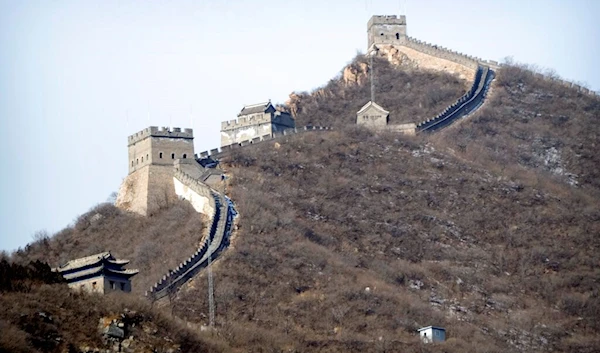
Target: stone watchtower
{"type": "Point", "coordinates": [152, 154]}
{"type": "Point", "coordinates": [386, 30]}
{"type": "Point", "coordinates": [256, 120]}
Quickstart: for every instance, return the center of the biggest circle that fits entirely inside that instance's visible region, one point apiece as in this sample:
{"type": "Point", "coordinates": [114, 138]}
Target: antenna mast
{"type": "Point", "coordinates": [372, 67]}
{"type": "Point", "coordinates": [211, 288]}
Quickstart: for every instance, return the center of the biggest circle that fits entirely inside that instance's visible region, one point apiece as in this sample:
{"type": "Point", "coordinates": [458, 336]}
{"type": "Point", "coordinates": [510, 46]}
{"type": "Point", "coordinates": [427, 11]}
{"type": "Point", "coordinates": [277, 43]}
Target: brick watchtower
{"type": "Point", "coordinates": [159, 146]}
{"type": "Point", "coordinates": [386, 30]}
{"type": "Point", "coordinates": [152, 154]}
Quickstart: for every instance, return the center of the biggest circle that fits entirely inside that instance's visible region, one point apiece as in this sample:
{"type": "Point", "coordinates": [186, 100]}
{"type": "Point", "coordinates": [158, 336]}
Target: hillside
{"type": "Point", "coordinates": [409, 95]}
{"type": "Point", "coordinates": [154, 244]}
{"type": "Point", "coordinates": [533, 123]}
{"type": "Point", "coordinates": [348, 241]}
{"type": "Point", "coordinates": [39, 313]}
{"type": "Point", "coordinates": [503, 263]}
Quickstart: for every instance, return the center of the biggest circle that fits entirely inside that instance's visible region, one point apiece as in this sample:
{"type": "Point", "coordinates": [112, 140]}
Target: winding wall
{"type": "Point", "coordinates": [466, 104]}
{"type": "Point", "coordinates": [215, 240]}
{"type": "Point", "coordinates": [224, 150]}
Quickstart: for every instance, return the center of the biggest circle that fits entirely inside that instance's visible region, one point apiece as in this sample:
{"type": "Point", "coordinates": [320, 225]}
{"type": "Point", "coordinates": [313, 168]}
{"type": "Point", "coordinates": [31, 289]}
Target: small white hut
{"type": "Point", "coordinates": [432, 334]}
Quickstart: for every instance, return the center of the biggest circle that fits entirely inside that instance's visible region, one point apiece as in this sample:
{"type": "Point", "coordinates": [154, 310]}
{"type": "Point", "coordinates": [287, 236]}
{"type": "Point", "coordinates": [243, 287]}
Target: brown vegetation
{"type": "Point", "coordinates": [409, 96]}
{"type": "Point", "coordinates": [349, 240]}
{"type": "Point", "coordinates": [153, 244]}
{"type": "Point", "coordinates": [532, 123]}
{"type": "Point", "coordinates": [40, 314]}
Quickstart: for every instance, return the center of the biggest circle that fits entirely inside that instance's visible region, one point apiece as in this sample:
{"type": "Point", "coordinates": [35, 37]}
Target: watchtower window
{"type": "Point", "coordinates": [142, 159]}
{"type": "Point", "coordinates": [184, 156]}
{"type": "Point", "coordinates": [381, 34]}
{"type": "Point", "coordinates": [397, 35]}
{"type": "Point", "coordinates": [123, 286]}
{"type": "Point", "coordinates": [137, 161]}
{"type": "Point", "coordinates": [172, 155]}
{"type": "Point", "coordinates": [147, 157]}
{"type": "Point", "coordinates": [112, 285]}
{"type": "Point", "coordinates": [160, 155]}
{"type": "Point", "coordinates": [132, 163]}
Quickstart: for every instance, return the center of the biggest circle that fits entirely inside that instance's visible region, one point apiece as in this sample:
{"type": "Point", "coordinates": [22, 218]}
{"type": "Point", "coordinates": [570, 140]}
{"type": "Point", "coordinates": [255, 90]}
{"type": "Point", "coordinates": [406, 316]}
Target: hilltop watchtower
{"type": "Point", "coordinates": [386, 29]}
{"type": "Point", "coordinates": [159, 146]}
{"type": "Point", "coordinates": [253, 121]}
{"type": "Point", "coordinates": [152, 154]}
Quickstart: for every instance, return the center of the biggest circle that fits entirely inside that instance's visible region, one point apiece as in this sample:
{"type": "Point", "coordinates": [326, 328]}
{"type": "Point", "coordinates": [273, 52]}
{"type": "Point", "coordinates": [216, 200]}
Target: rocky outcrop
{"type": "Point", "coordinates": [355, 74]}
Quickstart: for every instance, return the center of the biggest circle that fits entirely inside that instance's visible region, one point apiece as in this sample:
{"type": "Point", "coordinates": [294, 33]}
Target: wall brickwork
{"type": "Point", "coordinates": [385, 29]}
{"type": "Point", "coordinates": [214, 241]}
{"type": "Point", "coordinates": [217, 153]}
{"type": "Point", "coordinates": [372, 117]}
{"type": "Point", "coordinates": [159, 146]}
{"type": "Point", "coordinates": [251, 126]}
{"type": "Point", "coordinates": [152, 153]}
{"type": "Point", "coordinates": [147, 190]}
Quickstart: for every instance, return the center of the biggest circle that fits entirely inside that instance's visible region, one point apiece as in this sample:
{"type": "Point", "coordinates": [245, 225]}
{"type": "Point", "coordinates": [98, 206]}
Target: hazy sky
{"type": "Point", "coordinates": [78, 77]}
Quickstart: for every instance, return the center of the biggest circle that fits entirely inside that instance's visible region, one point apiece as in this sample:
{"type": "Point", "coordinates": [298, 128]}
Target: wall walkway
{"type": "Point", "coordinates": [465, 105]}
{"type": "Point", "coordinates": [216, 239]}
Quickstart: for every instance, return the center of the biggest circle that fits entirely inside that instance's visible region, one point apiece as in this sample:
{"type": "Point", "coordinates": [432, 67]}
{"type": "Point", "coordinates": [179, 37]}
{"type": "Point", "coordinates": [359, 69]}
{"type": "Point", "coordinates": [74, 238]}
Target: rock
{"type": "Point", "coordinates": [114, 331]}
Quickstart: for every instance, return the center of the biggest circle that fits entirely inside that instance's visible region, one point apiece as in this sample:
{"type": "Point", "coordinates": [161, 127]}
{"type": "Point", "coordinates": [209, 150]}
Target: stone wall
{"type": "Point", "coordinates": [248, 127]}
{"type": "Point", "coordinates": [199, 195]}
{"type": "Point", "coordinates": [466, 104]}
{"type": "Point", "coordinates": [384, 29]}
{"type": "Point", "coordinates": [224, 150]}
{"type": "Point", "coordinates": [214, 241]}
{"type": "Point", "coordinates": [147, 190]}
{"type": "Point", "coordinates": [159, 147]}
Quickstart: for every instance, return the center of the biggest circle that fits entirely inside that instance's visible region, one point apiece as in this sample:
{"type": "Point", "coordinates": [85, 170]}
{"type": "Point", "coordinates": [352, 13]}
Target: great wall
{"type": "Point", "coordinates": [192, 176]}
{"type": "Point", "coordinates": [215, 240]}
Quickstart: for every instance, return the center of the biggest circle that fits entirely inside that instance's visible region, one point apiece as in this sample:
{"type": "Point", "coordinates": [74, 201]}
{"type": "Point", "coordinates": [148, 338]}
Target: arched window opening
{"type": "Point", "coordinates": [381, 34]}
{"type": "Point", "coordinates": [142, 159]}
{"type": "Point", "coordinates": [137, 161]}
{"type": "Point", "coordinates": [184, 156]}
{"type": "Point", "coordinates": [147, 157]}
{"type": "Point", "coordinates": [397, 35]}
{"type": "Point", "coordinates": [172, 155]}
{"type": "Point", "coordinates": [160, 155]}
{"type": "Point", "coordinates": [132, 163]}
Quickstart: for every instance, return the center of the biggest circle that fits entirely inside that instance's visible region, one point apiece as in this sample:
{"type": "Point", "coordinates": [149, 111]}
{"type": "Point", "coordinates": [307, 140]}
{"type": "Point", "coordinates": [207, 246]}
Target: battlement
{"type": "Point", "coordinates": [386, 20]}
{"type": "Point", "coordinates": [155, 131]}
{"type": "Point", "coordinates": [245, 122]}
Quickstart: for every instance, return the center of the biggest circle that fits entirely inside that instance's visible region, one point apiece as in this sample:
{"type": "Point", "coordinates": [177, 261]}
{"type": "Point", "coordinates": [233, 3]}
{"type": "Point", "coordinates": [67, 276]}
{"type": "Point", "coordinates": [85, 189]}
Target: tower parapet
{"type": "Point", "coordinates": [245, 122]}
{"type": "Point", "coordinates": [152, 154]}
{"type": "Point", "coordinates": [156, 131]}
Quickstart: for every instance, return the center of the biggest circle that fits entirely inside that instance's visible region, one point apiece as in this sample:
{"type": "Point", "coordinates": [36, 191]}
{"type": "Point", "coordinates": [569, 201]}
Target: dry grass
{"type": "Point", "coordinates": [153, 244]}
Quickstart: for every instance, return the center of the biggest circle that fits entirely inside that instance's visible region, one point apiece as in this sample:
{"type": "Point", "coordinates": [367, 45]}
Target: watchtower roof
{"type": "Point", "coordinates": [97, 264]}
{"type": "Point", "coordinates": [374, 105]}
{"type": "Point", "coordinates": [256, 108]}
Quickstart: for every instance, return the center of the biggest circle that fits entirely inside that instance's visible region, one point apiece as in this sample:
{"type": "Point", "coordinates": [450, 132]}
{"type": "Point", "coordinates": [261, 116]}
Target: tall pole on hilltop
{"type": "Point", "coordinates": [372, 53]}
{"type": "Point", "coordinates": [211, 290]}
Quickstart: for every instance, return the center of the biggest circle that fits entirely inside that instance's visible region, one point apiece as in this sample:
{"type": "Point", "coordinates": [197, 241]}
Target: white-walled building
{"type": "Point", "coordinates": [432, 334]}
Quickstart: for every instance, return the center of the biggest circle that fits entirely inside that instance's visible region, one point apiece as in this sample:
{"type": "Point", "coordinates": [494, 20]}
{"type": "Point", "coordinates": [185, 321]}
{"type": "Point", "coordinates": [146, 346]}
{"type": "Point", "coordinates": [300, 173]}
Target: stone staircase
{"type": "Point", "coordinates": [215, 241]}
{"type": "Point", "coordinates": [465, 105]}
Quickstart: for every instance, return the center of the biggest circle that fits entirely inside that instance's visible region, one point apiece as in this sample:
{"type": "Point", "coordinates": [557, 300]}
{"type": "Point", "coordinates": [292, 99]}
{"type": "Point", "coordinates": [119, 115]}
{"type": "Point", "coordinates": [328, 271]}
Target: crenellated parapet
{"type": "Point", "coordinates": [223, 150]}
{"type": "Point", "coordinates": [243, 122]}
{"type": "Point", "coordinates": [155, 131]}
{"type": "Point", "coordinates": [466, 104]}
{"type": "Point", "coordinates": [214, 241]}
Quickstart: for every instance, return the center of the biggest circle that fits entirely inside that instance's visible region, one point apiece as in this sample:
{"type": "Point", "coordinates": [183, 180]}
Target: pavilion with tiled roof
{"type": "Point", "coordinates": [99, 273]}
